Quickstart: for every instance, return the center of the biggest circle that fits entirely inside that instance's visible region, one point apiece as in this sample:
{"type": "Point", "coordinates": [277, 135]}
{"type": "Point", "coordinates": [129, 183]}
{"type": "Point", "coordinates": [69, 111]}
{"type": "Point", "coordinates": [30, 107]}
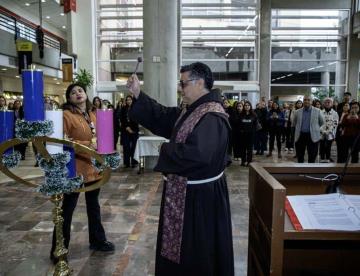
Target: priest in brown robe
{"type": "Point", "coordinates": [194, 235]}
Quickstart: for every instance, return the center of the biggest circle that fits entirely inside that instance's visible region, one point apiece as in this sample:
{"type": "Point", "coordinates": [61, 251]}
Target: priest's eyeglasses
{"type": "Point", "coordinates": [183, 83]}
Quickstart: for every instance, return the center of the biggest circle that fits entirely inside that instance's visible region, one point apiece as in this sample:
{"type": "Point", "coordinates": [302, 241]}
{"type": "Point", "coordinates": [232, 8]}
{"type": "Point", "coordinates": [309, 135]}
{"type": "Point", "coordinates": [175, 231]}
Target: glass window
{"type": "Point", "coordinates": [309, 49]}
{"type": "Point", "coordinates": [119, 33]}
{"type": "Point", "coordinates": [224, 35]}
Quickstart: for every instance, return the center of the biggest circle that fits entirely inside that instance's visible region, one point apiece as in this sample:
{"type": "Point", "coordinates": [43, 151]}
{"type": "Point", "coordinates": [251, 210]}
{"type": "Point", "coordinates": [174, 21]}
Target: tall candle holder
{"type": "Point", "coordinates": [62, 268]}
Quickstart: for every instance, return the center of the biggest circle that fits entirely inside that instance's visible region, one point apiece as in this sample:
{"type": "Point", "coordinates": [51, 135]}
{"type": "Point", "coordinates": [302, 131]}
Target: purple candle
{"type": "Point", "coordinates": [105, 131]}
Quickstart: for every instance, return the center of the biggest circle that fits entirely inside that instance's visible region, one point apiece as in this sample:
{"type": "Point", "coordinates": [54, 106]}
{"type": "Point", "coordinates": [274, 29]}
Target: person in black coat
{"type": "Point", "coordinates": [229, 110]}
{"type": "Point", "coordinates": [19, 115]}
{"type": "Point", "coordinates": [276, 120]}
{"type": "Point", "coordinates": [261, 129]}
{"type": "Point", "coordinates": [236, 133]}
{"type": "Point", "coordinates": [203, 236]}
{"type": "Point", "coordinates": [247, 127]}
{"type": "Point", "coordinates": [117, 115]}
{"type": "Point", "coordinates": [129, 134]}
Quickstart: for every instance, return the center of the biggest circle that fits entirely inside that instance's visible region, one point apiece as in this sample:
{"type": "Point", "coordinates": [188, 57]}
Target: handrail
{"type": "Point", "coordinates": [26, 29]}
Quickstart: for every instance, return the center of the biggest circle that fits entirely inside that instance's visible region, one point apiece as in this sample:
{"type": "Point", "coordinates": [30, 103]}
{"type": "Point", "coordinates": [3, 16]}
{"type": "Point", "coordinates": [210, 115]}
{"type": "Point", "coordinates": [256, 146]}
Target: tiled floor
{"type": "Point", "coordinates": [130, 208]}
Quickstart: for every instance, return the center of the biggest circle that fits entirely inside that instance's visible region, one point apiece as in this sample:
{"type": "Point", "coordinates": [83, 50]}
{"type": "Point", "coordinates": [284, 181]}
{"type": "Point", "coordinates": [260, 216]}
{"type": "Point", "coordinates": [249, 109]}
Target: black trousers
{"type": "Point", "coordinates": [22, 149]}
{"type": "Point", "coordinates": [290, 131]}
{"type": "Point", "coordinates": [325, 148]}
{"type": "Point", "coordinates": [129, 145]}
{"type": "Point", "coordinates": [348, 143]}
{"type": "Point", "coordinates": [275, 133]}
{"type": "Point", "coordinates": [261, 140]}
{"type": "Point", "coordinates": [246, 147]}
{"type": "Point", "coordinates": [305, 143]}
{"type": "Point", "coordinates": [341, 149]}
{"type": "Point", "coordinates": [116, 137]}
{"type": "Point", "coordinates": [96, 230]}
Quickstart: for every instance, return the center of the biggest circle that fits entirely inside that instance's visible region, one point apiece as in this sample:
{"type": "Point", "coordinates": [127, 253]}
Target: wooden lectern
{"type": "Point", "coordinates": [275, 247]}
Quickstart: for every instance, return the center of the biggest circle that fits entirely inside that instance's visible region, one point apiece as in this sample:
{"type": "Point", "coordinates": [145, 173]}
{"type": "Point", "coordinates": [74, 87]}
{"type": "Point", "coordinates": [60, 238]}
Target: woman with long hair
{"type": "Point", "coordinates": [276, 121]}
{"type": "Point", "coordinates": [2, 103]}
{"type": "Point", "coordinates": [340, 141]}
{"type": "Point", "coordinates": [19, 115]}
{"type": "Point", "coordinates": [79, 126]}
{"type": "Point", "coordinates": [129, 134]}
{"type": "Point", "coordinates": [247, 128]}
{"type": "Point", "coordinates": [97, 103]}
{"type": "Point", "coordinates": [351, 130]}
{"type": "Point", "coordinates": [117, 114]}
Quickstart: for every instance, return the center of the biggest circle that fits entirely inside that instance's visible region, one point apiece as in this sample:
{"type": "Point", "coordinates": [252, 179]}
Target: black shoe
{"type": "Point", "coordinates": [257, 153]}
{"type": "Point", "coordinates": [54, 259]}
{"type": "Point", "coordinates": [127, 166]}
{"type": "Point", "coordinates": [242, 164]}
{"type": "Point", "coordinates": [104, 246]}
{"type": "Point", "coordinates": [36, 164]}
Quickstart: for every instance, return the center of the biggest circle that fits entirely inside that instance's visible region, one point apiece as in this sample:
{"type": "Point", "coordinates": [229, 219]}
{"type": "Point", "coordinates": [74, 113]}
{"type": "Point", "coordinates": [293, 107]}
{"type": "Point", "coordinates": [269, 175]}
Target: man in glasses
{"type": "Point", "coordinates": [194, 235]}
{"type": "Point", "coordinates": [307, 121]}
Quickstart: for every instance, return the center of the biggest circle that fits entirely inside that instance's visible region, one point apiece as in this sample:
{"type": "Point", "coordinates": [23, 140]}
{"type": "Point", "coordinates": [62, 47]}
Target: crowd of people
{"type": "Point", "coordinates": [326, 123]}
{"type": "Point", "coordinates": [306, 125]}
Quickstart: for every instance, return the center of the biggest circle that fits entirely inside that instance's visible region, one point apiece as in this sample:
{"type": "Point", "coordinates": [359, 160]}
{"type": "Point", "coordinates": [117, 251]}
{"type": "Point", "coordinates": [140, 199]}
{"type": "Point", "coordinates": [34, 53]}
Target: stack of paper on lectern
{"type": "Point", "coordinates": [324, 212]}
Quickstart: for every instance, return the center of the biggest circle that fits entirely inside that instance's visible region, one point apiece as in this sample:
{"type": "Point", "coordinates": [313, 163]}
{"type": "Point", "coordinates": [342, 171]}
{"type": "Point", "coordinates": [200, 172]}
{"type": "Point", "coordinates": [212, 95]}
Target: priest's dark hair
{"type": "Point", "coordinates": [199, 70]}
{"type": "Point", "coordinates": [68, 105]}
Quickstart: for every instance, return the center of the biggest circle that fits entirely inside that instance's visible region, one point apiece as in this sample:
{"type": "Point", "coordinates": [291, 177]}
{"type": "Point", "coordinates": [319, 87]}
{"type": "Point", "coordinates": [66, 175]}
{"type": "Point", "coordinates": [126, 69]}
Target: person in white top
{"type": "Point", "coordinates": [328, 130]}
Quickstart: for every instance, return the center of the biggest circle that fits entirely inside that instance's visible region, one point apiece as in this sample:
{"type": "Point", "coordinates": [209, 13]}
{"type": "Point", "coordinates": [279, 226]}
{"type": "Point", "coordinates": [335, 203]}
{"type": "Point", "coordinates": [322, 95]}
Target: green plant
{"type": "Point", "coordinates": [84, 78]}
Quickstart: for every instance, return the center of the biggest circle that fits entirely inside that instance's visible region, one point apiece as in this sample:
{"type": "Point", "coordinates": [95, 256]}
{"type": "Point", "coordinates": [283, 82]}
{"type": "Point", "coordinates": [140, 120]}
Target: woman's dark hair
{"type": "Point", "coordinates": [251, 111]}
{"type": "Point", "coordinates": [68, 105]}
{"type": "Point", "coordinates": [199, 70]}
{"type": "Point", "coordinates": [278, 106]}
{"type": "Point", "coordinates": [315, 102]}
{"type": "Point", "coordinates": [120, 103]}
{"type": "Point", "coordinates": [127, 97]}
{"type": "Point", "coordinates": [355, 103]}
{"type": "Point", "coordinates": [298, 101]}
{"type": "Point", "coordinates": [1, 96]}
{"type": "Point", "coordinates": [95, 99]}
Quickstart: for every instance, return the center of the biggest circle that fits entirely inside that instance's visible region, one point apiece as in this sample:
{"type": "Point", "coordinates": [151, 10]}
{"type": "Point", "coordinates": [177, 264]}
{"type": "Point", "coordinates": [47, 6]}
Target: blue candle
{"type": "Point", "coordinates": [71, 165]}
{"type": "Point", "coordinates": [33, 90]}
{"type": "Point", "coordinates": [6, 127]}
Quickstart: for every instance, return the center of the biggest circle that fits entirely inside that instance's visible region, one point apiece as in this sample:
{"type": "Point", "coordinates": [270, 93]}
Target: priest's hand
{"type": "Point", "coordinates": [133, 84]}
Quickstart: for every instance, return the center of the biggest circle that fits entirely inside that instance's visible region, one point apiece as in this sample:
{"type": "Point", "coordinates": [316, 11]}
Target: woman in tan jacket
{"type": "Point", "coordinates": [79, 126]}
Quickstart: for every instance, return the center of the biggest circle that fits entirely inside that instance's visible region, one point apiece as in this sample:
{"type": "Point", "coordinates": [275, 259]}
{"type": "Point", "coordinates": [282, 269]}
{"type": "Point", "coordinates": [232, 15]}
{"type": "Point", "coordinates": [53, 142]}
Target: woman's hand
{"type": "Point", "coordinates": [93, 146]}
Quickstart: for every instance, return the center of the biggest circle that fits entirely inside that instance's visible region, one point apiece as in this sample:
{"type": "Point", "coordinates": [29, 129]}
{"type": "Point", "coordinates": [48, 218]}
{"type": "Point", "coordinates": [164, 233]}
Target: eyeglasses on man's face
{"type": "Point", "coordinates": [184, 83]}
